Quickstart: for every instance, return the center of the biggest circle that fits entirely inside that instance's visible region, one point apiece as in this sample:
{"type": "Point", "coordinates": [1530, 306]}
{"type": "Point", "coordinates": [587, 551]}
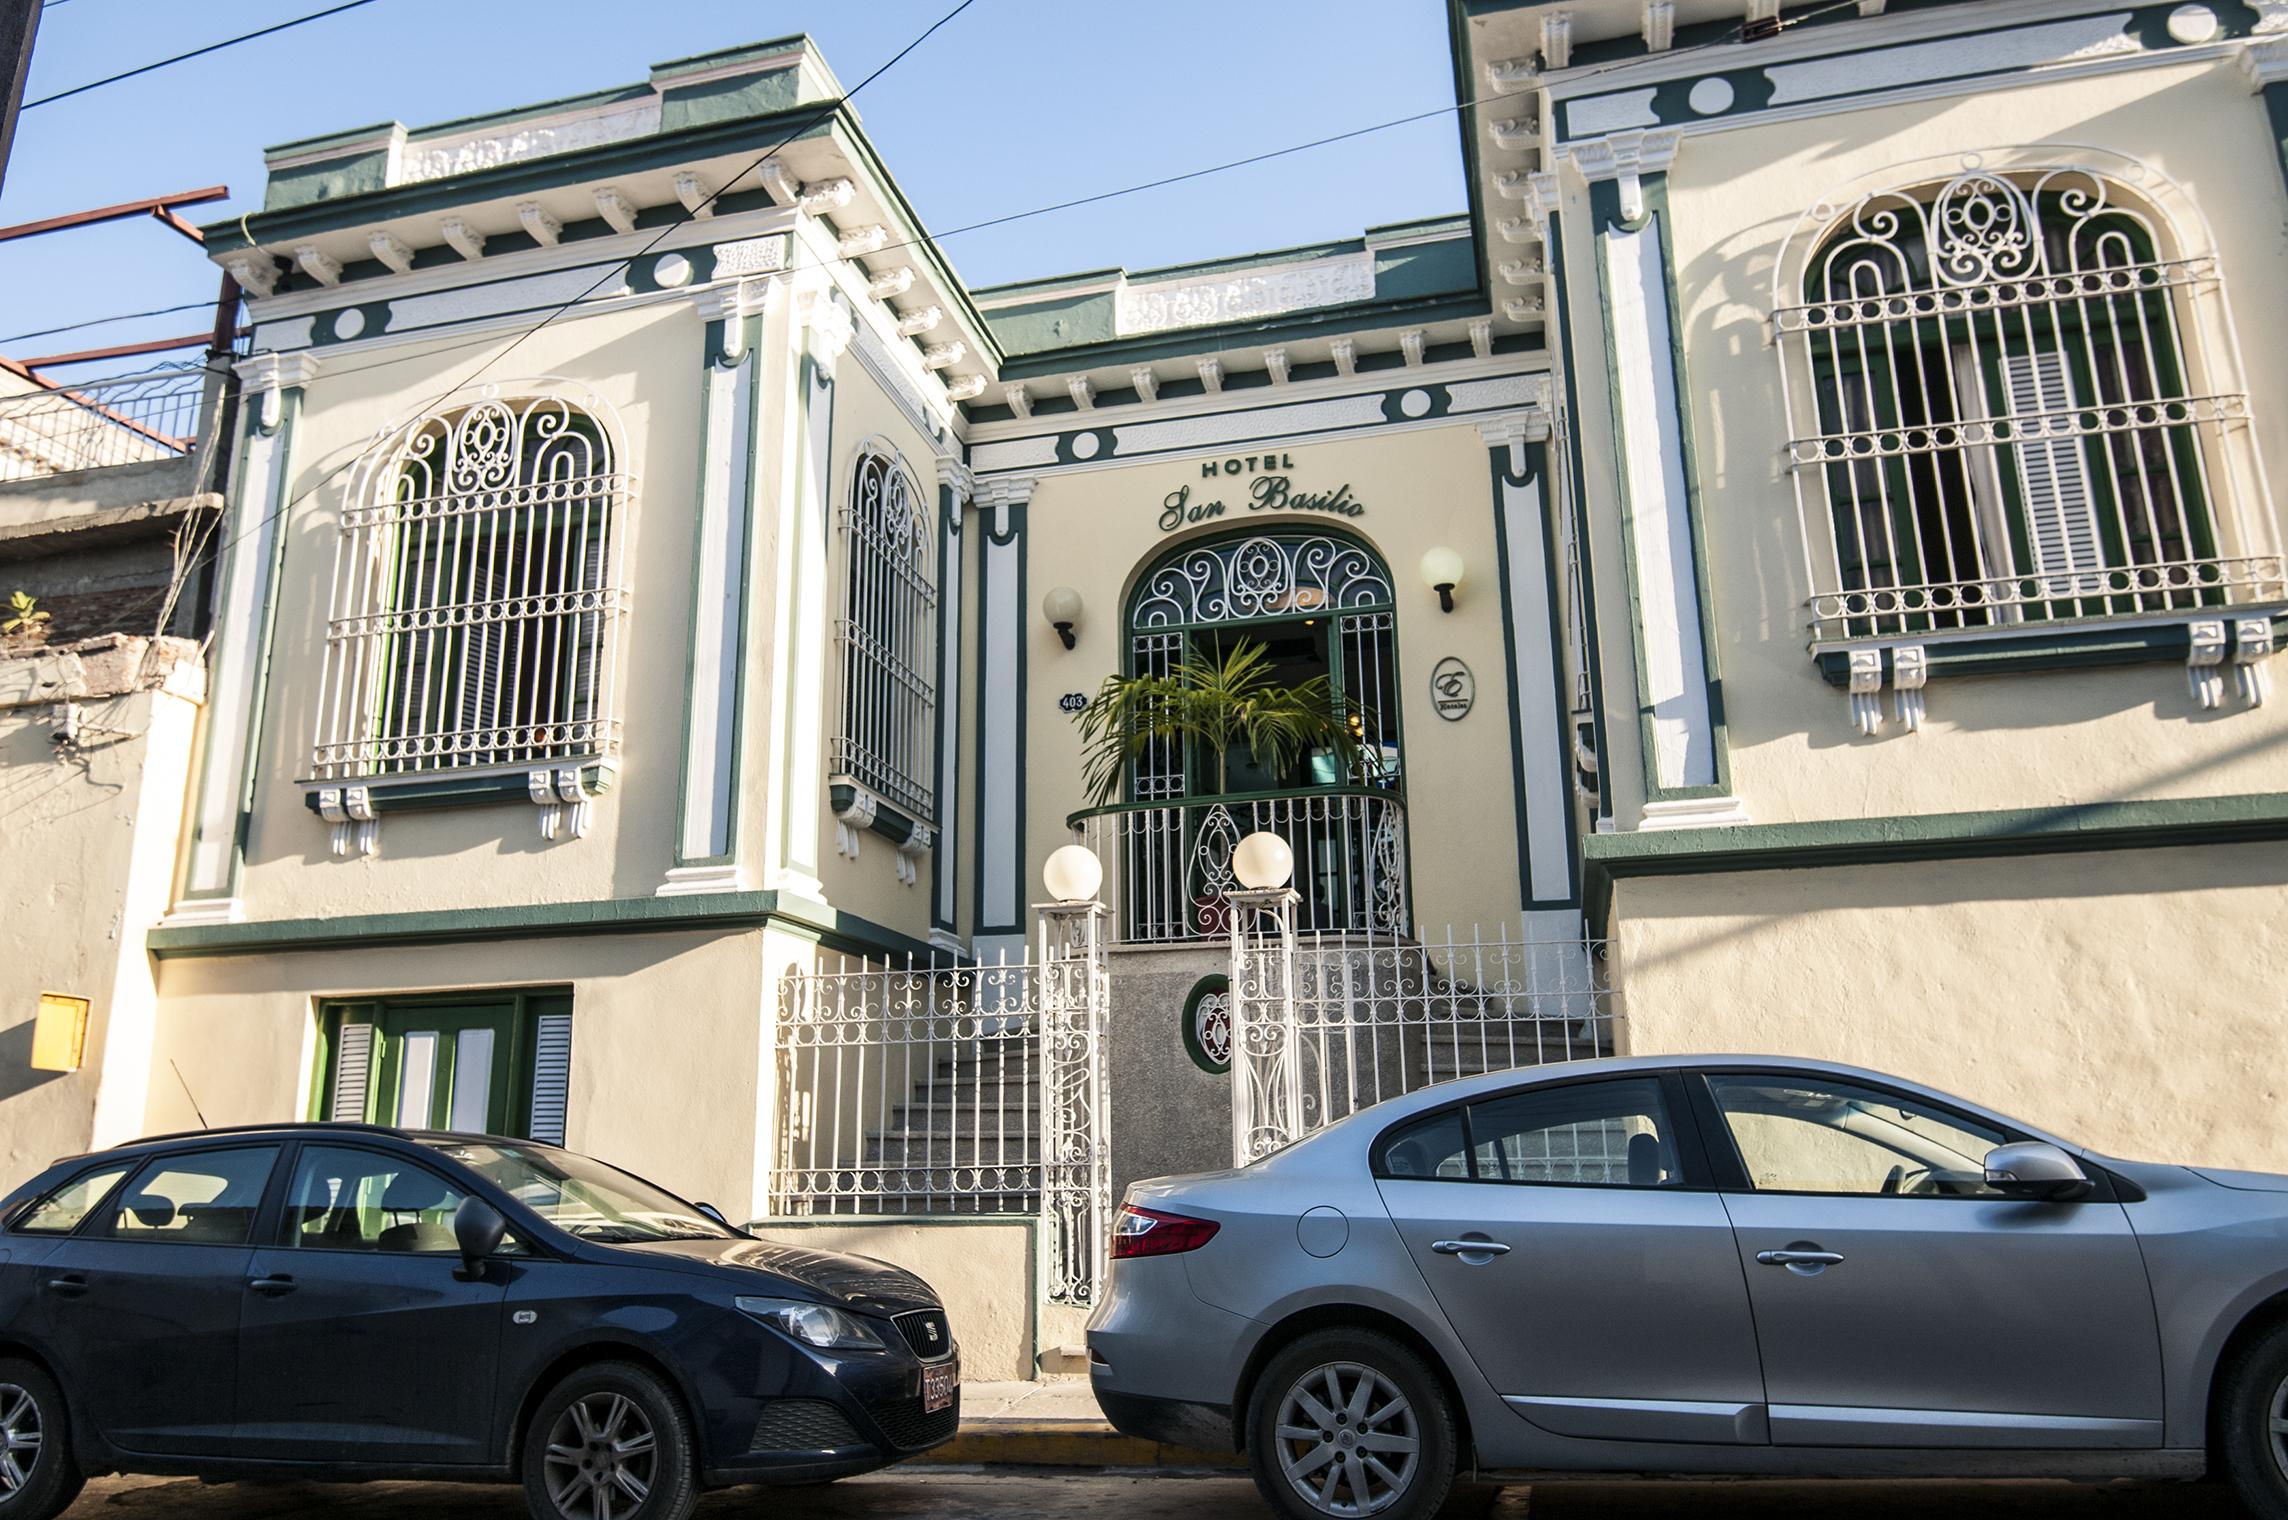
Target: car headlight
{"type": "Point", "coordinates": [820, 1325]}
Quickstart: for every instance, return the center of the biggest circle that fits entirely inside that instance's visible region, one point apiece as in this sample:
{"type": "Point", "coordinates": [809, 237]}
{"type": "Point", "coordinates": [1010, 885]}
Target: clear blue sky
{"type": "Point", "coordinates": [1015, 104]}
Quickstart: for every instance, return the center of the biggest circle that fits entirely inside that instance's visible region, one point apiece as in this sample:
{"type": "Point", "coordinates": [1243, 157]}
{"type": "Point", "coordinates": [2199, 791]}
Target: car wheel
{"type": "Point", "coordinates": [38, 1476]}
{"type": "Point", "coordinates": [610, 1442]}
{"type": "Point", "coordinates": [1350, 1422]}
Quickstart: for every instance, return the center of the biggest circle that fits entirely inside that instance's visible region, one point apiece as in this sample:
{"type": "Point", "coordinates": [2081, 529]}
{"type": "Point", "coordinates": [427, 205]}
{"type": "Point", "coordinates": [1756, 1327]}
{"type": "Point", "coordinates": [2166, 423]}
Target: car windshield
{"type": "Point", "coordinates": [584, 1197]}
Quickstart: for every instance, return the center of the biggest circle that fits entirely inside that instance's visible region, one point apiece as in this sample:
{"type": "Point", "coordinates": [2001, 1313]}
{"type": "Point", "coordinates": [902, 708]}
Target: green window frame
{"type": "Point", "coordinates": [490, 1062]}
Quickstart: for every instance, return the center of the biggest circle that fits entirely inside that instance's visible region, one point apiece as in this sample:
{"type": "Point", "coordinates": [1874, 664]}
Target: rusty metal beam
{"type": "Point", "coordinates": [124, 350]}
{"type": "Point", "coordinates": [160, 206]}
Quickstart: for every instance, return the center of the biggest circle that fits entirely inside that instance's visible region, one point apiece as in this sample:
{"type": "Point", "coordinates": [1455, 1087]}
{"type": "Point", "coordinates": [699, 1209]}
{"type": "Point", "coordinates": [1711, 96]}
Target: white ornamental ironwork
{"type": "Point", "coordinates": [1265, 576]}
{"type": "Point", "coordinates": [1266, 1053]}
{"type": "Point", "coordinates": [477, 592]}
{"type": "Point", "coordinates": [888, 635]}
{"type": "Point", "coordinates": [1076, 1152]}
{"type": "Point", "coordinates": [2003, 407]}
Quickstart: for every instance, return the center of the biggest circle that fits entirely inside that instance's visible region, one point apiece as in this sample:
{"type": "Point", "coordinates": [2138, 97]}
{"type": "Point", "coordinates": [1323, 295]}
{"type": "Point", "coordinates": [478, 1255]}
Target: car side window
{"type": "Point", "coordinates": [196, 1198]}
{"type": "Point", "coordinates": [347, 1199]}
{"type": "Point", "coordinates": [1801, 1133]}
{"type": "Point", "coordinates": [1606, 1134]}
{"type": "Point", "coordinates": [61, 1211]}
{"type": "Point", "coordinates": [1430, 1148]}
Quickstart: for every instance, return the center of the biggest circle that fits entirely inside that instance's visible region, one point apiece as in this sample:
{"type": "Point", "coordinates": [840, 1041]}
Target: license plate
{"type": "Point", "coordinates": [939, 1385]}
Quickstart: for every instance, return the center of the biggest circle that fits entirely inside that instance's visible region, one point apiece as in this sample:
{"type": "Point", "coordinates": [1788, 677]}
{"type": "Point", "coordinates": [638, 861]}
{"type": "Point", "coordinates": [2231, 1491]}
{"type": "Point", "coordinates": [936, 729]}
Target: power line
{"type": "Point", "coordinates": [200, 52]}
{"type": "Point", "coordinates": [125, 316]}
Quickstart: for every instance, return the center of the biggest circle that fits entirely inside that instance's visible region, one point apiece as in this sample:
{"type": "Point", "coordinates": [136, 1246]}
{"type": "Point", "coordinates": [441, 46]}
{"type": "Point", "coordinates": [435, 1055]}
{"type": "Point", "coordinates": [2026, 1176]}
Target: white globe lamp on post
{"type": "Point", "coordinates": [1263, 862]}
{"type": "Point", "coordinates": [1073, 874]}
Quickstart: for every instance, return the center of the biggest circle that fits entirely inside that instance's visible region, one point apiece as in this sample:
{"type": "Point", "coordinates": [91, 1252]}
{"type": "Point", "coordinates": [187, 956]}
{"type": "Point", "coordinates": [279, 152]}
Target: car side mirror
{"type": "Point", "coordinates": [713, 1213]}
{"type": "Point", "coordinates": [478, 1228]}
{"type": "Point", "coordinates": [2035, 1169]}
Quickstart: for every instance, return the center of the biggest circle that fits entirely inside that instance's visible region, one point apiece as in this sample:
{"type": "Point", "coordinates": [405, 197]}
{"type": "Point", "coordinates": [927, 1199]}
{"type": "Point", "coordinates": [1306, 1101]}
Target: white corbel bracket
{"type": "Point", "coordinates": [350, 811]}
{"type": "Point", "coordinates": [2244, 643]}
{"type": "Point", "coordinates": [853, 819]}
{"type": "Point", "coordinates": [563, 802]}
{"type": "Point", "coordinates": [828, 195]}
{"type": "Point", "coordinates": [2252, 643]}
{"type": "Point", "coordinates": [2204, 659]}
{"type": "Point", "coordinates": [910, 851]}
{"type": "Point", "coordinates": [1625, 158]}
{"type": "Point", "coordinates": [1908, 669]}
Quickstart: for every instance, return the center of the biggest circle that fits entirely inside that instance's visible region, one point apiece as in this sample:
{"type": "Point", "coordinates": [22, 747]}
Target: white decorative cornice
{"type": "Point", "coordinates": [489, 147]}
{"type": "Point", "coordinates": [912, 324]}
{"type": "Point", "coordinates": [1557, 39]}
{"type": "Point", "coordinates": [318, 264]}
{"type": "Point", "coordinates": [2265, 63]}
{"type": "Point", "coordinates": [1146, 381]}
{"type": "Point", "coordinates": [827, 327]}
{"type": "Point", "coordinates": [1518, 229]}
{"type": "Point", "coordinates": [265, 378]}
{"type": "Point", "coordinates": [1626, 157]}
{"type": "Point", "coordinates": [1211, 375]}
{"type": "Point", "coordinates": [860, 241]}
{"type": "Point", "coordinates": [733, 299]}
{"type": "Point", "coordinates": [944, 355]}
{"type": "Point", "coordinates": [1659, 26]}
{"type": "Point", "coordinates": [2271, 18]}
{"type": "Point", "coordinates": [965, 388]}
{"type": "Point", "coordinates": [1516, 132]}
{"type": "Point", "coordinates": [1520, 271]}
{"type": "Point", "coordinates": [1410, 344]}
{"type": "Point", "coordinates": [1208, 300]}
{"type": "Point", "coordinates": [546, 230]}
{"type": "Point", "coordinates": [1020, 400]}
{"type": "Point", "coordinates": [755, 255]}
{"type": "Point", "coordinates": [779, 181]}
{"type": "Point", "coordinates": [697, 197]}
{"type": "Point", "coordinates": [462, 238]}
{"type": "Point", "coordinates": [1515, 184]}
{"type": "Point", "coordinates": [616, 209]}
{"type": "Point", "coordinates": [1528, 424]}
{"type": "Point", "coordinates": [1511, 73]}
{"type": "Point", "coordinates": [825, 196]}
{"type": "Point", "coordinates": [998, 491]}
{"type": "Point", "coordinates": [1482, 337]}
{"type": "Point", "coordinates": [1345, 354]}
{"type": "Point", "coordinates": [1275, 365]}
{"type": "Point", "coordinates": [1522, 308]}
{"type": "Point", "coordinates": [890, 283]}
{"type": "Point", "coordinates": [255, 271]}
{"type": "Point", "coordinates": [954, 476]}
{"type": "Point", "coordinates": [391, 250]}
{"type": "Point", "coordinates": [1082, 392]}
{"type": "Point", "coordinates": [1541, 203]}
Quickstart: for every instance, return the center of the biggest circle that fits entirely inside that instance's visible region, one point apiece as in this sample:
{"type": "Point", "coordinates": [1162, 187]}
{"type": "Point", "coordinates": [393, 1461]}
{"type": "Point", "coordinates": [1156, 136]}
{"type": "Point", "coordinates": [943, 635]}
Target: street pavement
{"type": "Point", "coordinates": [948, 1494]}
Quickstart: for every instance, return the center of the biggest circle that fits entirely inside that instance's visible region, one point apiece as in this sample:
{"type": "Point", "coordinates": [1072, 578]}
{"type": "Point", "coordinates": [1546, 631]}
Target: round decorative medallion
{"type": "Point", "coordinates": [1085, 445]}
{"type": "Point", "coordinates": [672, 270]}
{"type": "Point", "coordinates": [2193, 23]}
{"type": "Point", "coordinates": [1207, 1024]}
{"type": "Point", "coordinates": [1711, 95]}
{"type": "Point", "coordinates": [348, 324]}
{"type": "Point", "coordinates": [1415, 403]}
{"type": "Point", "coordinates": [1453, 690]}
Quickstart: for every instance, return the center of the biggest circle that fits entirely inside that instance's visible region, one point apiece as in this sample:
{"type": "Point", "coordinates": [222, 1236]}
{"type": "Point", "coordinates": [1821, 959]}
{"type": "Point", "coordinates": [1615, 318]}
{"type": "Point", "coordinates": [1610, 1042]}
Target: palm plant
{"type": "Point", "coordinates": [1217, 701]}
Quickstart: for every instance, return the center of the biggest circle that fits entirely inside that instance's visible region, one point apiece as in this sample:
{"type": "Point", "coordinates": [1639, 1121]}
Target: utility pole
{"type": "Point", "coordinates": [19, 23]}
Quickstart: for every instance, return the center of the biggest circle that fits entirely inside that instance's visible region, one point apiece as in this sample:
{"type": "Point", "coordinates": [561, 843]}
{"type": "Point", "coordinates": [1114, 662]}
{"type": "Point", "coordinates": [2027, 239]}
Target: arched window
{"type": "Point", "coordinates": [477, 595]}
{"type": "Point", "coordinates": [887, 632]}
{"type": "Point", "coordinates": [2001, 411]}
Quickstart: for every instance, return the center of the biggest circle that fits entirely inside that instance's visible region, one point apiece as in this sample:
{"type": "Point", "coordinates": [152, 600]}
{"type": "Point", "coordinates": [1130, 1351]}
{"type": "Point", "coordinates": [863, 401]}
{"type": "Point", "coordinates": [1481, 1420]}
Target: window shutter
{"type": "Point", "coordinates": [353, 1073]}
{"type": "Point", "coordinates": [2061, 510]}
{"type": "Point", "coordinates": [551, 1076]}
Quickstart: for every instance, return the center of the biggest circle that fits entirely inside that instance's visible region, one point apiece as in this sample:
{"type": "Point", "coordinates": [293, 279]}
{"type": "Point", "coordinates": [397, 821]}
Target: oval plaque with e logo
{"type": "Point", "coordinates": [1453, 690]}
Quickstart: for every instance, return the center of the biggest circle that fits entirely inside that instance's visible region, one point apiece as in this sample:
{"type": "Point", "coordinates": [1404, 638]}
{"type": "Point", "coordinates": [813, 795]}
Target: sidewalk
{"type": "Point", "coordinates": [1055, 1423]}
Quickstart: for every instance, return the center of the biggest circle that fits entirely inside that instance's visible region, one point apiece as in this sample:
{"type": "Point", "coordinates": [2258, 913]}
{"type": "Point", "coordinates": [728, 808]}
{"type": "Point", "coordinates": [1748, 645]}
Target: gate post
{"type": "Point", "coordinates": [1076, 1116]}
{"type": "Point", "coordinates": [1266, 1057]}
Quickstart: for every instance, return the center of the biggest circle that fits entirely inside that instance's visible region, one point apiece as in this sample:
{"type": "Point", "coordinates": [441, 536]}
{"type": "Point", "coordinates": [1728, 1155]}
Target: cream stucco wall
{"type": "Point", "coordinates": [986, 1272]}
{"type": "Point", "coordinates": [1098, 531]}
{"type": "Point", "coordinates": [2010, 741]}
{"type": "Point", "coordinates": [664, 1026]}
{"type": "Point", "coordinates": [2128, 1001]}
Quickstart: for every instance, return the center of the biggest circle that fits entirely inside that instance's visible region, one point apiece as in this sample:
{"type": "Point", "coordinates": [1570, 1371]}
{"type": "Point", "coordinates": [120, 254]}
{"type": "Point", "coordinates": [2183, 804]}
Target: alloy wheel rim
{"type": "Point", "coordinates": [602, 1452]}
{"type": "Point", "coordinates": [1348, 1440]}
{"type": "Point", "coordinates": [19, 1437]}
{"type": "Point", "coordinates": [2276, 1426]}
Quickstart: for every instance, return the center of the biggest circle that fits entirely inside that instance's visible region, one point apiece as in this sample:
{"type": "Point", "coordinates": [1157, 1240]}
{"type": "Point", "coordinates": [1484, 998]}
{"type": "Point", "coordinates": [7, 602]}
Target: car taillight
{"type": "Point", "coordinates": [1148, 1232]}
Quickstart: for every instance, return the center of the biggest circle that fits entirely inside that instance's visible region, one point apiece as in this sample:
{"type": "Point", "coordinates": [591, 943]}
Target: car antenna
{"type": "Point", "coordinates": [202, 1118]}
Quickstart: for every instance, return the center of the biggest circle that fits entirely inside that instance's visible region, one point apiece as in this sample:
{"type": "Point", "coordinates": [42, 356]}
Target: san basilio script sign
{"type": "Point", "coordinates": [1266, 492]}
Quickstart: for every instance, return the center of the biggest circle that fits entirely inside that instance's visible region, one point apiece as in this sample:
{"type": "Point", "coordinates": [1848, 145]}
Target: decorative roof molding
{"type": "Point", "coordinates": [779, 181]}
{"type": "Point", "coordinates": [825, 196]}
{"type": "Point", "coordinates": [392, 251]}
{"type": "Point", "coordinates": [546, 230]}
{"type": "Point", "coordinates": [965, 388]}
{"type": "Point", "coordinates": [275, 372]}
{"type": "Point", "coordinates": [1146, 381]}
{"type": "Point", "coordinates": [1522, 309]}
{"type": "Point", "coordinates": [1511, 73]}
{"type": "Point", "coordinates": [1482, 337]}
{"type": "Point", "coordinates": [860, 241]}
{"type": "Point", "coordinates": [1211, 376]}
{"type": "Point", "coordinates": [2265, 63]}
{"type": "Point", "coordinates": [1410, 343]}
{"type": "Point", "coordinates": [318, 264]}
{"type": "Point", "coordinates": [1520, 271]}
{"type": "Point", "coordinates": [1251, 295]}
{"type": "Point", "coordinates": [1659, 27]}
{"type": "Point", "coordinates": [697, 198]}
{"type": "Point", "coordinates": [912, 324]}
{"type": "Point", "coordinates": [890, 284]}
{"type": "Point", "coordinates": [255, 271]}
{"type": "Point", "coordinates": [944, 355]}
{"type": "Point", "coordinates": [1557, 39]}
{"type": "Point", "coordinates": [615, 209]}
{"type": "Point", "coordinates": [827, 327]}
{"type": "Point", "coordinates": [1626, 157]}
{"type": "Point", "coordinates": [1006, 490]}
{"type": "Point", "coordinates": [490, 147]}
{"type": "Point", "coordinates": [1020, 400]}
{"type": "Point", "coordinates": [1517, 132]}
{"type": "Point", "coordinates": [1275, 365]}
{"type": "Point", "coordinates": [462, 238]}
{"type": "Point", "coordinates": [1345, 354]}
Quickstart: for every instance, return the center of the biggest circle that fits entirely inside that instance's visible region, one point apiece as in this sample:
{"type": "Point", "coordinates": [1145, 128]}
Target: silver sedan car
{"type": "Point", "coordinates": [1722, 1265]}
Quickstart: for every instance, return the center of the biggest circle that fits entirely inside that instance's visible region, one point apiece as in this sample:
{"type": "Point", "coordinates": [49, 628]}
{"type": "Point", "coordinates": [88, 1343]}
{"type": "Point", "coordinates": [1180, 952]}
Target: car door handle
{"type": "Point", "coordinates": [1800, 1258]}
{"type": "Point", "coordinates": [272, 1287]}
{"type": "Point", "coordinates": [70, 1286]}
{"type": "Point", "coordinates": [1469, 1248]}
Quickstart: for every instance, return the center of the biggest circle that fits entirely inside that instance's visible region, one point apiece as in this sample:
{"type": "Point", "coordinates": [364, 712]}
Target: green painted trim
{"type": "Point", "coordinates": [1328, 322]}
{"type": "Point", "coordinates": [2276, 112]}
{"type": "Point", "coordinates": [1188, 1028]}
{"type": "Point", "coordinates": [2032, 647]}
{"type": "Point", "coordinates": [1601, 806]}
{"type": "Point", "coordinates": [447, 790]}
{"type": "Point", "coordinates": [988, 640]}
{"type": "Point", "coordinates": [949, 681]}
{"type": "Point", "coordinates": [890, 821]}
{"type": "Point", "coordinates": [712, 912]}
{"type": "Point", "coordinates": [2258, 817]}
{"type": "Point", "coordinates": [1536, 473]}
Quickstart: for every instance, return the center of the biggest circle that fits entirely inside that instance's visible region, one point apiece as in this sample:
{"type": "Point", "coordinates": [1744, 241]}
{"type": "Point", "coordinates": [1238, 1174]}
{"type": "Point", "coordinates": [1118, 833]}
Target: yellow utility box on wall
{"type": "Point", "coordinates": [59, 1038]}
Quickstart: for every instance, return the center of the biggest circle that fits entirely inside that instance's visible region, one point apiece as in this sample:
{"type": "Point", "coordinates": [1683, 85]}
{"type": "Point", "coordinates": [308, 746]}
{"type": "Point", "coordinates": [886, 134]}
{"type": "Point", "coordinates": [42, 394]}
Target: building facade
{"type": "Point", "coordinates": [1795, 553]}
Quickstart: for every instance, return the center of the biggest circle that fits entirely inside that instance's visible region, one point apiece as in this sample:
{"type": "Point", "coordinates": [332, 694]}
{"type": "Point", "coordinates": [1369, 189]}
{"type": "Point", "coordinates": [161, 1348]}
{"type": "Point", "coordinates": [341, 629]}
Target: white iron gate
{"type": "Point", "coordinates": [953, 1087]}
{"type": "Point", "coordinates": [1324, 1025]}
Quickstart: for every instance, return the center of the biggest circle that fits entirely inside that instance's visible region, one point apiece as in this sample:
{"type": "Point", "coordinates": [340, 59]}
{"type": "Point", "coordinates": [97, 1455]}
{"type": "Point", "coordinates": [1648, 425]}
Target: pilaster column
{"type": "Point", "coordinates": [1002, 647]}
{"type": "Point", "coordinates": [1687, 773]}
{"type": "Point", "coordinates": [707, 856]}
{"type": "Point", "coordinates": [955, 486]}
{"type": "Point", "coordinates": [1526, 538]}
{"type": "Point", "coordinates": [271, 390]}
{"type": "Point", "coordinates": [799, 715]}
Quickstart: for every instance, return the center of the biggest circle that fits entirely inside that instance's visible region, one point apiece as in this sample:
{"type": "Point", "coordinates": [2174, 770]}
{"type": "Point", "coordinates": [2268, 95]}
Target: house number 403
{"type": "Point", "coordinates": [1072, 702]}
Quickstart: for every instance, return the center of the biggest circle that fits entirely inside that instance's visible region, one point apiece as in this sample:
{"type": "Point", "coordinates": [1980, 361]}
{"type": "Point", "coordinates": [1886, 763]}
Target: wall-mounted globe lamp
{"type": "Point", "coordinates": [1062, 608]}
{"type": "Point", "coordinates": [1442, 573]}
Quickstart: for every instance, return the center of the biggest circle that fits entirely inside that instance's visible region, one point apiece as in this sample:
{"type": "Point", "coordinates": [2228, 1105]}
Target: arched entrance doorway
{"type": "Point", "coordinates": [1321, 605]}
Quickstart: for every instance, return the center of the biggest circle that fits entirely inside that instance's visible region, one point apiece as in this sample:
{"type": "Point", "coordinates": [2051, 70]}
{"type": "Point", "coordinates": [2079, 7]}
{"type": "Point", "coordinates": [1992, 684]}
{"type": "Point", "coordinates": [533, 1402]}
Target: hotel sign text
{"type": "Point", "coordinates": [1271, 490]}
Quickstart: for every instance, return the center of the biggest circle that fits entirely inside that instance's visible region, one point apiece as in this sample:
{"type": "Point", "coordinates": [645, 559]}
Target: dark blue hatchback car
{"type": "Point", "coordinates": [345, 1301]}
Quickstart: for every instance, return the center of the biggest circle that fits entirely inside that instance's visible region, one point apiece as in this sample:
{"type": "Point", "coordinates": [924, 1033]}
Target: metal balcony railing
{"type": "Point", "coordinates": [1167, 865]}
{"type": "Point", "coordinates": [93, 424]}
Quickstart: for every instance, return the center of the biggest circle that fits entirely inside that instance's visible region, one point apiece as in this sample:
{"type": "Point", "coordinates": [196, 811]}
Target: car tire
{"type": "Point", "coordinates": [32, 1406]}
{"type": "Point", "coordinates": [1402, 1469]}
{"type": "Point", "coordinates": [612, 1431]}
{"type": "Point", "coordinates": [2253, 1395]}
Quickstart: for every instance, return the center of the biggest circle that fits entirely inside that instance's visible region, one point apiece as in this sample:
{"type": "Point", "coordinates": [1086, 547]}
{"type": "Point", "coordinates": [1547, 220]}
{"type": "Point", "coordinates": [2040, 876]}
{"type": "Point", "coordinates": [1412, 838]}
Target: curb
{"type": "Point", "coordinates": [1067, 1443]}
